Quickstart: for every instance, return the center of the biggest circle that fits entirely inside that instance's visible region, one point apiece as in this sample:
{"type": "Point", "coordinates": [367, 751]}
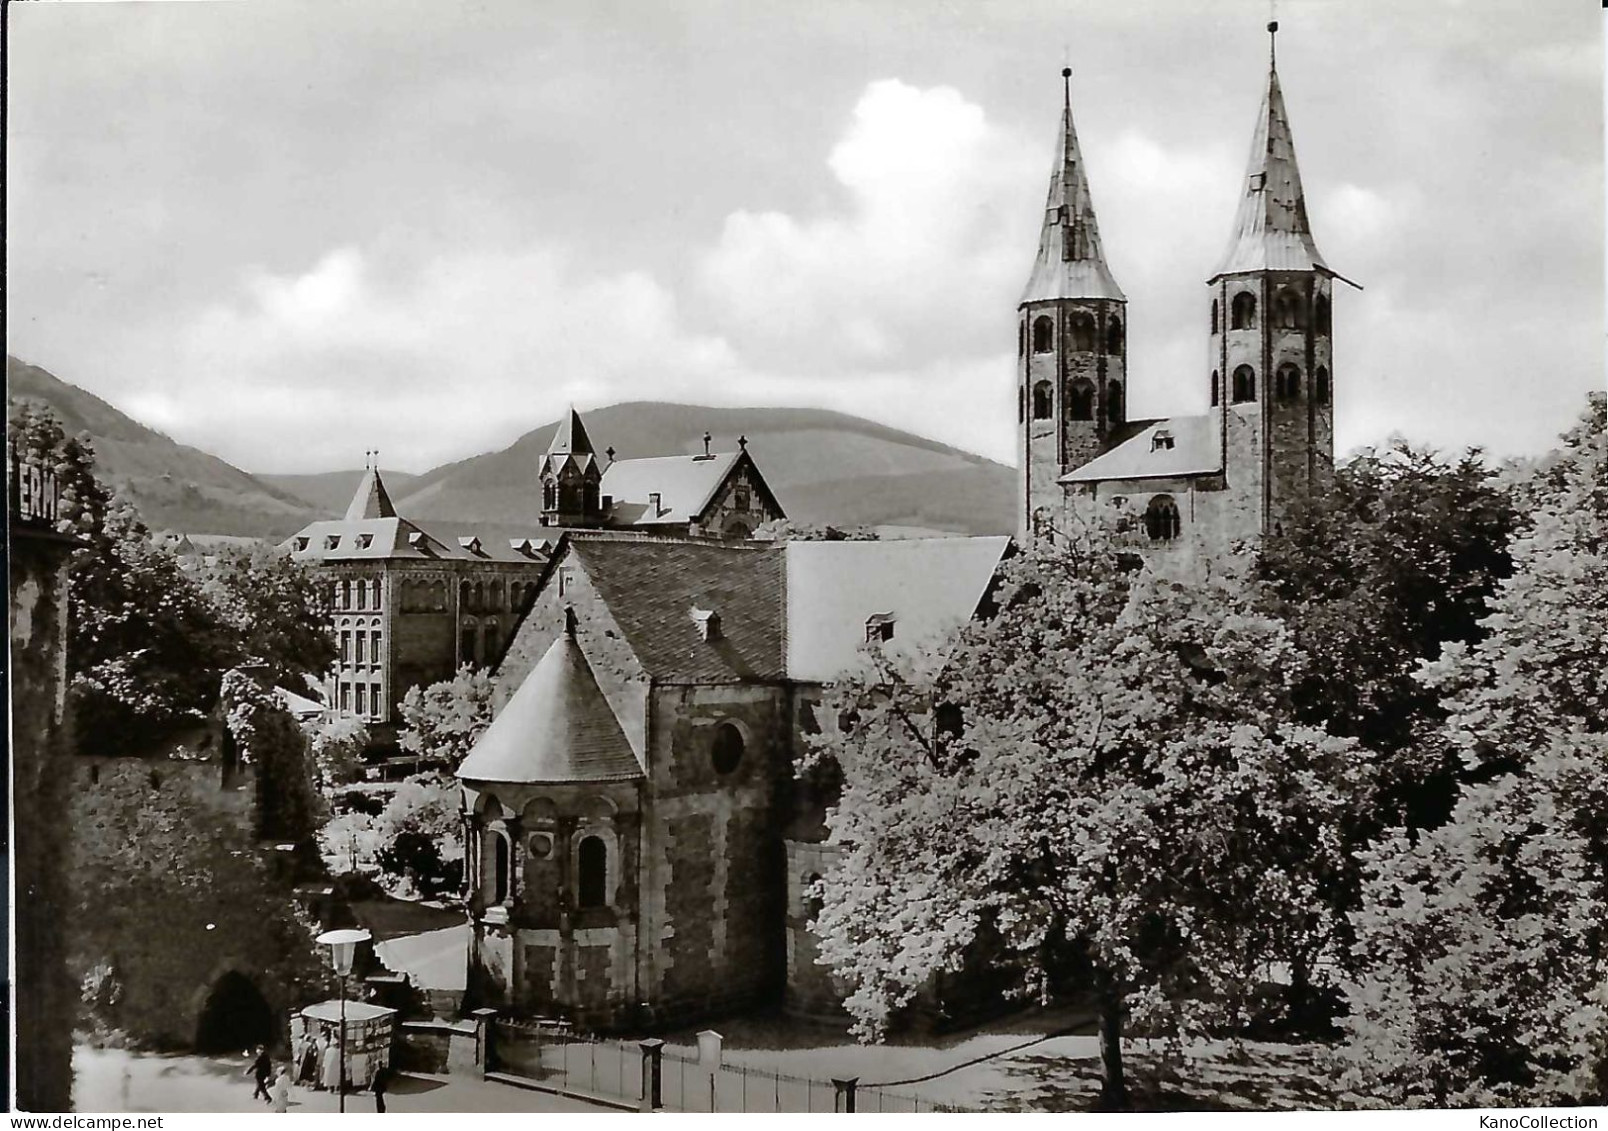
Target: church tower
{"type": "Point", "coordinates": [1271, 362]}
{"type": "Point", "coordinates": [1071, 338]}
{"type": "Point", "coordinates": [571, 476]}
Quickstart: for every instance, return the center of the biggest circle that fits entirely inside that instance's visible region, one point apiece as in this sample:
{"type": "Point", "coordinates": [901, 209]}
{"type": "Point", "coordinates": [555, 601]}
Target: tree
{"type": "Point", "coordinates": [336, 744]}
{"type": "Point", "coordinates": [1482, 944]}
{"type": "Point", "coordinates": [1374, 577]}
{"type": "Point", "coordinates": [288, 806]}
{"type": "Point", "coordinates": [442, 722]}
{"type": "Point", "coordinates": [1106, 772]}
{"type": "Point", "coordinates": [275, 609]}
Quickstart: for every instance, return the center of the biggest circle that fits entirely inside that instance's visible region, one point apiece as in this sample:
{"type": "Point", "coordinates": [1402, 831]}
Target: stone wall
{"type": "Point", "coordinates": [172, 894]}
{"type": "Point", "coordinates": [44, 997]}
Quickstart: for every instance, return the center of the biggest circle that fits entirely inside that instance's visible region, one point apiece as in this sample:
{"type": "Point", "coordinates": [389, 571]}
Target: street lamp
{"type": "Point", "coordinates": [343, 949]}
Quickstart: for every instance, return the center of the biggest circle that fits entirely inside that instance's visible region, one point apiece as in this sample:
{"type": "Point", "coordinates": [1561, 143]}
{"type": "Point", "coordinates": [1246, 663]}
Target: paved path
{"type": "Point", "coordinates": [112, 1080]}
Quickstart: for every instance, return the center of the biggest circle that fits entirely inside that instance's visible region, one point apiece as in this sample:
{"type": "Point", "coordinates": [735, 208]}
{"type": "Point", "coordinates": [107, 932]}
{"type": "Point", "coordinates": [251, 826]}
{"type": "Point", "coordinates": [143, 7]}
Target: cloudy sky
{"type": "Point", "coordinates": [290, 232]}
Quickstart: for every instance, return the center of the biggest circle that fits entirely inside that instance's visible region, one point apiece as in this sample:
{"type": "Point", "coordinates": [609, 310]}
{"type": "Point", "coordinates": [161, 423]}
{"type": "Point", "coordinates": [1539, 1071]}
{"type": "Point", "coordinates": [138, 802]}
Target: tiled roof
{"type": "Point", "coordinates": [1271, 231]}
{"type": "Point", "coordinates": [685, 485]}
{"type": "Point", "coordinates": [1194, 451]}
{"type": "Point", "coordinates": [928, 586]}
{"type": "Point", "coordinates": [652, 585]}
{"type": "Point", "coordinates": [1070, 262]}
{"type": "Point", "coordinates": [558, 727]}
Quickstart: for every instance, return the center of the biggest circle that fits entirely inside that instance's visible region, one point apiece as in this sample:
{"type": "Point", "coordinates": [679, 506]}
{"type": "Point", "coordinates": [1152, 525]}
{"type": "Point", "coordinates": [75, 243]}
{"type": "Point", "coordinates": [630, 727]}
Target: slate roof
{"type": "Point", "coordinates": [929, 586]}
{"type": "Point", "coordinates": [557, 727]}
{"type": "Point", "coordinates": [652, 586]}
{"type": "Point", "coordinates": [685, 485]}
{"type": "Point", "coordinates": [371, 500]}
{"type": "Point", "coordinates": [1271, 230]}
{"type": "Point", "coordinates": [1195, 451]}
{"type": "Point", "coordinates": [1070, 262]}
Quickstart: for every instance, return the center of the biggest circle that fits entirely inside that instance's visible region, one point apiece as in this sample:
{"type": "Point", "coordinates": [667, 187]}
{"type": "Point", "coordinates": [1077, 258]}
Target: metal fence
{"type": "Point", "coordinates": [562, 1060]}
{"type": "Point", "coordinates": [555, 1057]}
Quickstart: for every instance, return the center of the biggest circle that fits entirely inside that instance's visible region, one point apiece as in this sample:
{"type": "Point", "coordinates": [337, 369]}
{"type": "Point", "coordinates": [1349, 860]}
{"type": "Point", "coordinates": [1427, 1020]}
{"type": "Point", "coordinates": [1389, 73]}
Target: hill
{"type": "Point", "coordinates": [175, 486]}
{"type": "Point", "coordinates": [824, 467]}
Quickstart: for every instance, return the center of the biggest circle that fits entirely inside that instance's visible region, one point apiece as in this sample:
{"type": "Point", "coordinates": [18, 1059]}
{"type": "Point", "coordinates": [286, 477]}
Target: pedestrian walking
{"type": "Point", "coordinates": [261, 1069]}
{"type": "Point", "coordinates": [382, 1083]}
{"type": "Point", "coordinates": [281, 1090]}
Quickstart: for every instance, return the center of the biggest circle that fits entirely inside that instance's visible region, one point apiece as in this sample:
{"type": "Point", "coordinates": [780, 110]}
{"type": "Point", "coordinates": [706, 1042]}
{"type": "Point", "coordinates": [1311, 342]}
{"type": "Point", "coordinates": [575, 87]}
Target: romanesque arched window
{"type": "Point", "coordinates": [589, 497]}
{"type": "Point", "coordinates": [374, 593]}
{"type": "Point", "coordinates": [1214, 316]}
{"type": "Point", "coordinates": [1043, 334]}
{"type": "Point", "coordinates": [1043, 403]}
{"type": "Point", "coordinates": [1081, 401]}
{"type": "Point", "coordinates": [1083, 331]}
{"type": "Point", "coordinates": [1114, 405]}
{"type": "Point", "coordinates": [440, 590]}
{"type": "Point", "coordinates": [1114, 337]}
{"type": "Point", "coordinates": [1289, 312]}
{"type": "Point", "coordinates": [1320, 314]}
{"type": "Point", "coordinates": [465, 592]}
{"type": "Point", "coordinates": [1244, 384]}
{"type": "Point", "coordinates": [549, 495]}
{"type": "Point", "coordinates": [1243, 311]}
{"type": "Point", "coordinates": [1161, 519]}
{"type": "Point", "coordinates": [1287, 382]}
{"type": "Point", "coordinates": [1320, 385]}
{"type": "Point", "coordinates": [592, 872]}
{"type": "Point", "coordinates": [1216, 390]}
{"type": "Point", "coordinates": [497, 880]}
{"type": "Point", "coordinates": [466, 641]}
{"type": "Point", "coordinates": [493, 640]}
{"type": "Point", "coordinates": [726, 749]}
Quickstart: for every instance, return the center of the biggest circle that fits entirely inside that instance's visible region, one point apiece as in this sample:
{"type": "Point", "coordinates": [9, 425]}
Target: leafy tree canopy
{"type": "Point", "coordinates": [442, 722]}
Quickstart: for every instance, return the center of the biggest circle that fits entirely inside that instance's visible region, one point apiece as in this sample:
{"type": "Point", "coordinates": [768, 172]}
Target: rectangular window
{"type": "Point", "coordinates": [374, 700]}
{"type": "Point", "coordinates": [360, 658]}
{"type": "Point", "coordinates": [362, 689]}
{"type": "Point", "coordinates": [362, 594]}
{"type": "Point", "coordinates": [346, 646]}
{"type": "Point", "coordinates": [374, 647]}
{"type": "Point", "coordinates": [346, 697]}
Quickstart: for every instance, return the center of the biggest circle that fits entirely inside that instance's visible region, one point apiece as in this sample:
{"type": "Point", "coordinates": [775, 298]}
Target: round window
{"type": "Point", "coordinates": [541, 846]}
{"type": "Point", "coordinates": [727, 751]}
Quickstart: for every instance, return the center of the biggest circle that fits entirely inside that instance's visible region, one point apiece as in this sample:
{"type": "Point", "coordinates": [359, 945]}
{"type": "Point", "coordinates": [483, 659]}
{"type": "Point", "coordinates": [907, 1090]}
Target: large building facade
{"type": "Point", "coordinates": [1194, 484]}
{"type": "Point", "coordinates": [409, 608]}
{"type": "Point", "coordinates": [641, 850]}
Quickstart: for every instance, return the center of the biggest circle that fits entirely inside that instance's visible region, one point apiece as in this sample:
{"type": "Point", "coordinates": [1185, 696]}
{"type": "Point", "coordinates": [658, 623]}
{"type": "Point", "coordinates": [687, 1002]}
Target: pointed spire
{"type": "Point", "coordinates": [1070, 261]}
{"type": "Point", "coordinates": [570, 437]}
{"type": "Point", "coordinates": [371, 500]}
{"type": "Point", "coordinates": [1271, 231]}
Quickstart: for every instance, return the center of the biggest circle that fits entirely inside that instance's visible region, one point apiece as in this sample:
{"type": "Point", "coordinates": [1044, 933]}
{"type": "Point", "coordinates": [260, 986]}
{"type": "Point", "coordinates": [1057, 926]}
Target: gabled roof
{"type": "Point", "coordinates": [558, 727]}
{"type": "Point", "coordinates": [685, 486]}
{"type": "Point", "coordinates": [928, 586]}
{"type": "Point", "coordinates": [1194, 451]}
{"type": "Point", "coordinates": [1271, 230]}
{"type": "Point", "coordinates": [371, 500]}
{"type": "Point", "coordinates": [651, 586]}
{"type": "Point", "coordinates": [1070, 262]}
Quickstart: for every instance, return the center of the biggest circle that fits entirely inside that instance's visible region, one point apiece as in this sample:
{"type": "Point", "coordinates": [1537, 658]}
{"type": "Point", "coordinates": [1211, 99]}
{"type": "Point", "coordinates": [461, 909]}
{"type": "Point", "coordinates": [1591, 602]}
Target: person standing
{"type": "Point", "coordinates": [261, 1069]}
{"type": "Point", "coordinates": [331, 1065]}
{"type": "Point", "coordinates": [382, 1083]}
{"type": "Point", "coordinates": [281, 1090]}
{"type": "Point", "coordinates": [307, 1067]}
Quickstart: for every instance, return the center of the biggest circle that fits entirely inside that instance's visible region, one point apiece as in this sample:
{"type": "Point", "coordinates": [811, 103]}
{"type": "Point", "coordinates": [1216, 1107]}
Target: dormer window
{"type": "Point", "coordinates": [1258, 182]}
{"type": "Point", "coordinates": [301, 544]}
{"type": "Point", "coordinates": [416, 539]}
{"type": "Point", "coordinates": [470, 543]}
{"type": "Point", "coordinates": [707, 622]}
{"type": "Point", "coordinates": [332, 541]}
{"type": "Point", "coordinates": [1161, 441]}
{"type": "Point", "coordinates": [879, 627]}
{"type": "Point", "coordinates": [364, 541]}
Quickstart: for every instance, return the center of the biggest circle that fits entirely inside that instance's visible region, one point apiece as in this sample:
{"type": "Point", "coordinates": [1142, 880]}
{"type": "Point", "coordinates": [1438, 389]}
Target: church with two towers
{"type": "Point", "coordinates": [1194, 485]}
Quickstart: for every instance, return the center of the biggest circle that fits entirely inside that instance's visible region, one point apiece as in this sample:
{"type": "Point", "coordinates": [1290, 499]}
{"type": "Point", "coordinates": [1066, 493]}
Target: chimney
{"type": "Point", "coordinates": [708, 622]}
{"type": "Point", "coordinates": [653, 503]}
{"type": "Point", "coordinates": [707, 439]}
